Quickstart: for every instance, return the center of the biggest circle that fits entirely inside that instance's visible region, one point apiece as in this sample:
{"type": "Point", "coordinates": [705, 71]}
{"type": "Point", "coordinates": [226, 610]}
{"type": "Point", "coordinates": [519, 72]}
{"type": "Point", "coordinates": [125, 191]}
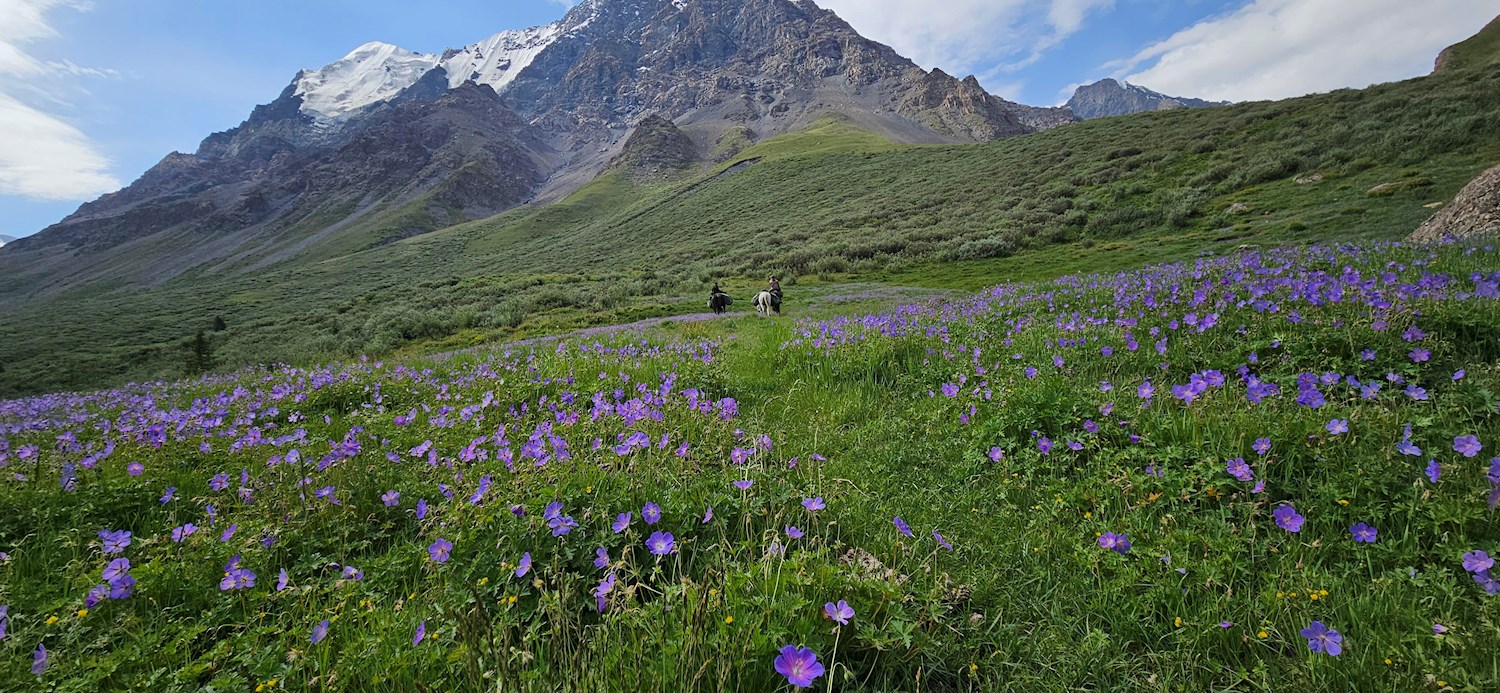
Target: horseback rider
{"type": "Point", "coordinates": [718, 300]}
{"type": "Point", "coordinates": [774, 287]}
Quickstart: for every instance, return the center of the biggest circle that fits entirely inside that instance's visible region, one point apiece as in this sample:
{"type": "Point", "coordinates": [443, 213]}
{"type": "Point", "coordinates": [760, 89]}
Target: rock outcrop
{"type": "Point", "coordinates": [1474, 213]}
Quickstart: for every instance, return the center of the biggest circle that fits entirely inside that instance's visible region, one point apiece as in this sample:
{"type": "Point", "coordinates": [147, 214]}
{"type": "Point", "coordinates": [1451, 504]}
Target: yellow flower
{"type": "Point", "coordinates": [1294, 595]}
{"type": "Point", "coordinates": [1178, 622]}
{"type": "Point", "coordinates": [260, 687]}
{"type": "Point", "coordinates": [1313, 596]}
{"type": "Point", "coordinates": [512, 598]}
{"type": "Point", "coordinates": [1088, 515]}
{"type": "Point", "coordinates": [82, 613]}
{"type": "Point", "coordinates": [973, 667]}
{"type": "Point", "coordinates": [1280, 595]}
{"type": "Point", "coordinates": [728, 620]}
{"type": "Point", "coordinates": [484, 581]}
{"type": "Point", "coordinates": [51, 620]}
{"type": "Point", "coordinates": [1387, 661]}
{"type": "Point", "coordinates": [1343, 502]}
{"type": "Point", "coordinates": [271, 683]}
{"type": "Point", "coordinates": [1262, 635]}
{"type": "Point", "coordinates": [1323, 592]}
{"type": "Point", "coordinates": [589, 489]}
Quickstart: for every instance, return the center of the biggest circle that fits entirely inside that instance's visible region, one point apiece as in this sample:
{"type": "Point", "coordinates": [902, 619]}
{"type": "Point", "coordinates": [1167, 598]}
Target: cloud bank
{"type": "Point", "coordinates": [1274, 49]}
{"type": "Point", "coordinates": [42, 157]}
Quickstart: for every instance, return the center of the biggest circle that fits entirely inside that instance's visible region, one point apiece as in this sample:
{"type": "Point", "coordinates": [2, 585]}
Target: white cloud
{"type": "Point", "coordinates": [42, 157]}
{"type": "Point", "coordinates": [1273, 49]}
{"type": "Point", "coordinates": [964, 36]}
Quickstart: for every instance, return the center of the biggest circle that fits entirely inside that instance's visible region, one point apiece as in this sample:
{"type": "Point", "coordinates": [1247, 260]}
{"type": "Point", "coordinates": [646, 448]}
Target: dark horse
{"type": "Point", "coordinates": [719, 302]}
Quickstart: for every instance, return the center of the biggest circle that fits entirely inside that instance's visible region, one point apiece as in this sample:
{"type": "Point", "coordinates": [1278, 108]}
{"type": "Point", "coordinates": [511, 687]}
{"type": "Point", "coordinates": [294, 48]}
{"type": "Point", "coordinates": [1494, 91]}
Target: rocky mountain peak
{"type": "Point", "coordinates": [1109, 97]}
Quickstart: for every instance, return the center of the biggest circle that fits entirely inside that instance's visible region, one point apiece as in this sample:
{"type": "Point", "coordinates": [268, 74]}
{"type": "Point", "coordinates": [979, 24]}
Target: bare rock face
{"type": "Point", "coordinates": [656, 149]}
{"type": "Point", "coordinates": [1475, 213]}
{"type": "Point", "coordinates": [1108, 97]}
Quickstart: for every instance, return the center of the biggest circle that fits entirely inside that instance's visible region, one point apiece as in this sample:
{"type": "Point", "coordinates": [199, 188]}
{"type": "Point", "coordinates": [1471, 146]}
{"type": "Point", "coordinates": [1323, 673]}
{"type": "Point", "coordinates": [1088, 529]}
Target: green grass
{"type": "Point", "coordinates": [833, 203]}
{"type": "Point", "coordinates": [1027, 601]}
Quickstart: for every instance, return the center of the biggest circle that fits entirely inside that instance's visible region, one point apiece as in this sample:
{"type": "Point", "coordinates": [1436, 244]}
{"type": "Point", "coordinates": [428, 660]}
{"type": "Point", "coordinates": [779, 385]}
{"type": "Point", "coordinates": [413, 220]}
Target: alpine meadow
{"type": "Point", "coordinates": [417, 389]}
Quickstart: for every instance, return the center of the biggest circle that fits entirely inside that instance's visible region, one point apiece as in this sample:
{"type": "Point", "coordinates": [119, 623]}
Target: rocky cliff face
{"type": "Point", "coordinates": [1108, 97]}
{"type": "Point", "coordinates": [1474, 213]}
{"type": "Point", "coordinates": [521, 115]}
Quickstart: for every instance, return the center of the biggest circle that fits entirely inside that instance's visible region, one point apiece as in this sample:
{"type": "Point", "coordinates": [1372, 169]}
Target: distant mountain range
{"type": "Point", "coordinates": [1109, 97]}
{"type": "Point", "coordinates": [5, 239]}
{"type": "Point", "coordinates": [434, 140]}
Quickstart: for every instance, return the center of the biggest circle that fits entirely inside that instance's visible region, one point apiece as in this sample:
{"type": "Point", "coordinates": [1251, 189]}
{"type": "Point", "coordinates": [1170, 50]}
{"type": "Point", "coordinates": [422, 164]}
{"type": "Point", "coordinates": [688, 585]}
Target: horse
{"type": "Point", "coordinates": [720, 302]}
{"type": "Point", "coordinates": [762, 303]}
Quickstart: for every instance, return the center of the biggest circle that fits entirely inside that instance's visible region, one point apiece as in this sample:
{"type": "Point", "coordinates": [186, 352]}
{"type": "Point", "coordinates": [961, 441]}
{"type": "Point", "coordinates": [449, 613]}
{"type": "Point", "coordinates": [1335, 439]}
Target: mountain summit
{"type": "Point", "coordinates": [1109, 97]}
{"type": "Point", "coordinates": [386, 142]}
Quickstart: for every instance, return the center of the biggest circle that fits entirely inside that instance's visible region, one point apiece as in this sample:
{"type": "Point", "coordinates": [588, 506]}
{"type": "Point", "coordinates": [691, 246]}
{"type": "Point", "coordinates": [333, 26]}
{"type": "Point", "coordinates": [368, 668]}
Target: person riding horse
{"type": "Point", "coordinates": [718, 300]}
{"type": "Point", "coordinates": [774, 287]}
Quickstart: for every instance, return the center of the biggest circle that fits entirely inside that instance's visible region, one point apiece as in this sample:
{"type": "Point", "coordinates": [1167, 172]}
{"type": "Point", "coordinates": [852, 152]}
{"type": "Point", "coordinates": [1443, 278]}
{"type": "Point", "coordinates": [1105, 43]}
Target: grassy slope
{"type": "Point", "coordinates": [833, 203]}
{"type": "Point", "coordinates": [1027, 602]}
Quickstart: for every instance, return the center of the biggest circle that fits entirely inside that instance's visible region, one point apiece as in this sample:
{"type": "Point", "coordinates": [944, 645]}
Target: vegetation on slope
{"type": "Point", "coordinates": [1020, 436]}
{"type": "Point", "coordinates": [829, 204]}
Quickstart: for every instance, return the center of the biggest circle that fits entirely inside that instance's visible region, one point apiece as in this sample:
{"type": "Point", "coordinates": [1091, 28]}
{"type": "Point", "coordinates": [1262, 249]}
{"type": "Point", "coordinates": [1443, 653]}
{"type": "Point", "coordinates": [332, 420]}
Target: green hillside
{"type": "Point", "coordinates": [825, 206]}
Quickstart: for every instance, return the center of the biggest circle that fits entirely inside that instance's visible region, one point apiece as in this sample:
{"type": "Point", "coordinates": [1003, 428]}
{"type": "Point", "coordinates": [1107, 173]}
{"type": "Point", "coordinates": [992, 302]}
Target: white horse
{"type": "Point", "coordinates": [762, 303]}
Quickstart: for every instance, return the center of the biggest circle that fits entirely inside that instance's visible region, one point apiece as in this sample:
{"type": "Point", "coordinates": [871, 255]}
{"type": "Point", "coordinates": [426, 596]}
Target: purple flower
{"type": "Point", "coordinates": [281, 580]}
{"type": "Point", "coordinates": [941, 541]}
{"type": "Point", "coordinates": [1226, 624]}
{"type": "Point", "coordinates": [1420, 355]}
{"type": "Point", "coordinates": [813, 504]}
{"type": "Point", "coordinates": [660, 543]}
{"type": "Point", "coordinates": [320, 631]}
{"type": "Point", "coordinates": [353, 574]}
{"type": "Point", "coordinates": [601, 593]}
{"type": "Point", "coordinates": [1044, 444]}
{"type": "Point", "coordinates": [1338, 426]}
{"type": "Point", "coordinates": [1119, 543]}
{"type": "Point", "coordinates": [229, 533]}
{"type": "Point", "coordinates": [390, 498]}
{"type": "Point", "coordinates": [116, 569]}
{"type": "Point", "coordinates": [1288, 519]}
{"type": "Point", "coordinates": [1439, 629]}
{"type": "Point", "coordinates": [562, 525]}
{"type": "Point", "coordinates": [1363, 533]}
{"type": "Point", "coordinates": [421, 508]}
{"type": "Point", "coordinates": [114, 541]}
{"type": "Point", "coordinates": [440, 550]}
{"type": "Point", "coordinates": [1262, 445]}
{"type": "Point", "coordinates": [183, 532]}
{"type": "Point", "coordinates": [1145, 391]}
{"type": "Point", "coordinates": [552, 511]}
{"type": "Point", "coordinates": [421, 633]}
{"type": "Point", "coordinates": [1322, 639]}
{"type": "Point", "coordinates": [168, 495]}
{"type": "Point", "coordinates": [799, 665]}
{"type": "Point", "coordinates": [840, 612]}
{"type": "Point", "coordinates": [4, 619]}
{"type": "Point", "coordinates": [651, 513]}
{"type": "Point", "coordinates": [1478, 561]}
{"type": "Point", "coordinates": [601, 557]}
{"type": "Point", "coordinates": [135, 469]}
{"type": "Point", "coordinates": [39, 661]}
{"type": "Point", "coordinates": [219, 482]}
{"type": "Point", "coordinates": [524, 566]}
{"type": "Point", "coordinates": [708, 515]}
{"type": "Point", "coordinates": [1239, 469]}
{"type": "Point", "coordinates": [793, 533]}
{"type": "Point", "coordinates": [996, 454]}
{"type": "Point", "coordinates": [901, 526]}
{"type": "Point", "coordinates": [1468, 446]}
{"type": "Point", "coordinates": [1434, 470]}
{"type": "Point", "coordinates": [622, 523]}
{"type": "Point", "coordinates": [743, 484]}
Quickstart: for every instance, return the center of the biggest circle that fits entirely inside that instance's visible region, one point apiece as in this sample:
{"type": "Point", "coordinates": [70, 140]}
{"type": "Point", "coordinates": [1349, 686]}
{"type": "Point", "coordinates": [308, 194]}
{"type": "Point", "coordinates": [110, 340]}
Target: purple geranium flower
{"type": "Point", "coordinates": [421, 633]}
{"type": "Point", "coordinates": [114, 541]}
{"type": "Point", "coordinates": [901, 526]}
{"type": "Point", "coordinates": [1468, 446]}
{"type": "Point", "coordinates": [39, 661]}
{"type": "Point", "coordinates": [941, 541]}
{"type": "Point", "coordinates": [840, 612]}
{"type": "Point", "coordinates": [622, 522]}
{"type": "Point", "coordinates": [1239, 469]}
{"type": "Point", "coordinates": [743, 484]}
{"type": "Point", "coordinates": [1322, 639]}
{"type": "Point", "coordinates": [793, 532]}
{"type": "Point", "coordinates": [320, 631]}
{"type": "Point", "coordinates": [1363, 533]}
{"type": "Point", "coordinates": [440, 550]}
{"type": "Point", "coordinates": [135, 469]}
{"type": "Point", "coordinates": [116, 569]}
{"type": "Point", "coordinates": [1478, 561]}
{"type": "Point", "coordinates": [391, 498]}
{"type": "Point", "coordinates": [1338, 426]}
{"type": "Point", "coordinates": [601, 557]}
{"type": "Point", "coordinates": [1119, 543]}
{"type": "Point", "coordinates": [1433, 471]}
{"type": "Point", "coordinates": [813, 504]}
{"type": "Point", "coordinates": [799, 665]}
{"type": "Point", "coordinates": [524, 566]}
{"type": "Point", "coordinates": [281, 580]}
{"type": "Point", "coordinates": [660, 543]}
{"type": "Point", "coordinates": [1288, 519]}
{"type": "Point", "coordinates": [996, 454]}
{"type": "Point", "coordinates": [651, 513]}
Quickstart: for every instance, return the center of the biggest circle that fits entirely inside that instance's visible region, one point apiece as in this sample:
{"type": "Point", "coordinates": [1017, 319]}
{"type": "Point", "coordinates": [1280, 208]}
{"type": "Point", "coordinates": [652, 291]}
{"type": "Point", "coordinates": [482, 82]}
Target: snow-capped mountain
{"type": "Point", "coordinates": [436, 139]}
{"type": "Point", "coordinates": [5, 239]}
{"type": "Point", "coordinates": [1110, 97]}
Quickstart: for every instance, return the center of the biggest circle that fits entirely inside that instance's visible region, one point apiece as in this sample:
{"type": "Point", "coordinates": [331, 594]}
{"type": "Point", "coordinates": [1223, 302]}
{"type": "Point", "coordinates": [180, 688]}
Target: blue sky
{"type": "Point", "coordinates": [94, 93]}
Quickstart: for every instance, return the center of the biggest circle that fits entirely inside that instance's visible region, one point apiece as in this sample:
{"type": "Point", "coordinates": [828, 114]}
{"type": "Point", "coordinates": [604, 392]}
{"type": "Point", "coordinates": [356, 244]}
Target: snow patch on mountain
{"type": "Point", "coordinates": [369, 74]}
{"type": "Point", "coordinates": [497, 60]}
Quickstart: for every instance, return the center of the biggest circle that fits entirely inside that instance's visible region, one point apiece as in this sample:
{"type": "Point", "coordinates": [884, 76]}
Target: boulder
{"type": "Point", "coordinates": [1474, 213]}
